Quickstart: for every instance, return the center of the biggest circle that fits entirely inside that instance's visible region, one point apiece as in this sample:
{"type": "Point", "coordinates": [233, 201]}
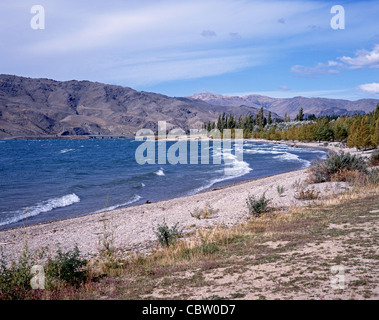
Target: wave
{"type": "Point", "coordinates": [139, 186]}
{"type": "Point", "coordinates": [292, 157]}
{"type": "Point", "coordinates": [134, 199]}
{"type": "Point", "coordinates": [160, 172]}
{"type": "Point", "coordinates": [66, 150]}
{"type": "Point", "coordinates": [233, 168]}
{"type": "Point", "coordinates": [42, 207]}
{"type": "Point", "coordinates": [262, 151]}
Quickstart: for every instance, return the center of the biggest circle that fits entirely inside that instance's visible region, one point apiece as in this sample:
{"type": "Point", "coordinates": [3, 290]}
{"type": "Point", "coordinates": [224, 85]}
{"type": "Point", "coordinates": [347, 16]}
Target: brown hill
{"type": "Point", "coordinates": [44, 107]}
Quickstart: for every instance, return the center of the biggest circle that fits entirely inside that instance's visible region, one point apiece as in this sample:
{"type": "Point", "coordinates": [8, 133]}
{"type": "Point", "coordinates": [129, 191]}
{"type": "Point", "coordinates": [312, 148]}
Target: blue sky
{"type": "Point", "coordinates": [178, 48]}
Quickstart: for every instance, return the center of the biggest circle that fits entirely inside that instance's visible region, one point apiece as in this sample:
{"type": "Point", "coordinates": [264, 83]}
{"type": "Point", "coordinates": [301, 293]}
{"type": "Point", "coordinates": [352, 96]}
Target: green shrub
{"type": "Point", "coordinates": [66, 268]}
{"type": "Point", "coordinates": [15, 278]}
{"type": "Point", "coordinates": [334, 163]}
{"type": "Point", "coordinates": [166, 235]}
{"type": "Point", "coordinates": [257, 206]}
{"type": "Point", "coordinates": [280, 190]}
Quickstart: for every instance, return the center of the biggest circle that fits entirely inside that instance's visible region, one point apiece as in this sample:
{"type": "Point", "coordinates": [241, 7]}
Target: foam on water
{"type": "Point", "coordinates": [287, 156]}
{"type": "Point", "coordinates": [233, 168]}
{"type": "Point", "coordinates": [44, 206]}
{"type": "Point", "coordinates": [160, 172]}
{"type": "Point", "coordinates": [134, 199]}
{"type": "Point", "coordinates": [66, 150]}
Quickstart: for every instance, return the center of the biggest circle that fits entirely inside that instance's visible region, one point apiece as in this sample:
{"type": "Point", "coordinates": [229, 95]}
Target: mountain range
{"type": "Point", "coordinates": [48, 108]}
{"type": "Point", "coordinates": [291, 106]}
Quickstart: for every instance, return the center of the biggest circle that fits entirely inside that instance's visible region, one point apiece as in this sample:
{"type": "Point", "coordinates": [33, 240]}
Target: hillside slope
{"type": "Point", "coordinates": [41, 107]}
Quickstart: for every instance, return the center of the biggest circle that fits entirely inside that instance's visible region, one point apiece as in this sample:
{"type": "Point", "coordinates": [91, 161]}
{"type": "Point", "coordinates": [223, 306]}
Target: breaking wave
{"type": "Point", "coordinates": [42, 207]}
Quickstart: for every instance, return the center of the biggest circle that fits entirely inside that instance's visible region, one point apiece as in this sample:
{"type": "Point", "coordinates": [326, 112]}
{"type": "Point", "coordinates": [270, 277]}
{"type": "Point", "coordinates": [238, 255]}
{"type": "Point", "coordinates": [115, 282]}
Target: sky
{"type": "Point", "coordinates": [179, 48]}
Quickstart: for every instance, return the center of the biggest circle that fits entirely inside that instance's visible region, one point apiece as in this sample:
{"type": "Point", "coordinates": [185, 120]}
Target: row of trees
{"type": "Point", "coordinates": [249, 122]}
{"type": "Point", "coordinates": [360, 131]}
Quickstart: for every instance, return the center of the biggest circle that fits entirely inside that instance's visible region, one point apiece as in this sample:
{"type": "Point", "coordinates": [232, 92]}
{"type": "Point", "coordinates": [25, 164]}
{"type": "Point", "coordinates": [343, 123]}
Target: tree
{"type": "Point", "coordinates": [376, 133]}
{"type": "Point", "coordinates": [300, 115]}
{"type": "Point", "coordinates": [269, 119]}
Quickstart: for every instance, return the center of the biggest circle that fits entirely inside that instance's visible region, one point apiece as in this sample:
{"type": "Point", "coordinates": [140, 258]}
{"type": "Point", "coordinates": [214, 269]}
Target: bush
{"type": "Point", "coordinates": [373, 176]}
{"type": "Point", "coordinates": [257, 206]}
{"type": "Point", "coordinates": [280, 190]}
{"type": "Point", "coordinates": [308, 194]}
{"type": "Point", "coordinates": [168, 236]}
{"type": "Point", "coordinates": [335, 163]}
{"type": "Point", "coordinates": [353, 177]}
{"type": "Point", "coordinates": [205, 213]}
{"type": "Point", "coordinates": [67, 268]}
{"type": "Point", "coordinates": [374, 159]}
{"type": "Point", "coordinates": [15, 279]}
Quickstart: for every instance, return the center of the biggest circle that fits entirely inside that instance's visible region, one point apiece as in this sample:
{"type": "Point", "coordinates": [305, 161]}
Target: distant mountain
{"type": "Point", "coordinates": [43, 107]}
{"type": "Point", "coordinates": [291, 106]}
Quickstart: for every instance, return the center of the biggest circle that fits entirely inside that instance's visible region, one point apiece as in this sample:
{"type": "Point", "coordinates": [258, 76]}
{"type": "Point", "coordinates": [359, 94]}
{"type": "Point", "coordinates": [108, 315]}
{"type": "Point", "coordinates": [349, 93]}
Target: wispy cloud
{"type": "Point", "coordinates": [331, 67]}
{"type": "Point", "coordinates": [332, 94]}
{"type": "Point", "coordinates": [143, 36]}
{"type": "Point", "coordinates": [149, 43]}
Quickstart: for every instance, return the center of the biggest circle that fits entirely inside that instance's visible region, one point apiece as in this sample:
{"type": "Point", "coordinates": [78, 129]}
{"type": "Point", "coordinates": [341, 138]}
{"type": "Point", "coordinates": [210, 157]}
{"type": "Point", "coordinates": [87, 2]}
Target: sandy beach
{"type": "Point", "coordinates": [133, 228]}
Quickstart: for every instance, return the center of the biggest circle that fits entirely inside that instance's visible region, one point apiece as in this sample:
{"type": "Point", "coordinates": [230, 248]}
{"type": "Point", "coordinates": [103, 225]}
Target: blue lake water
{"type": "Point", "coordinates": [46, 180]}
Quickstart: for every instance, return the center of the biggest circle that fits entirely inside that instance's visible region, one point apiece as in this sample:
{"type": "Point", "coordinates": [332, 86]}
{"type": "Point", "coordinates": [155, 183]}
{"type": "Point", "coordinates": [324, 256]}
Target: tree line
{"type": "Point", "coordinates": [360, 131]}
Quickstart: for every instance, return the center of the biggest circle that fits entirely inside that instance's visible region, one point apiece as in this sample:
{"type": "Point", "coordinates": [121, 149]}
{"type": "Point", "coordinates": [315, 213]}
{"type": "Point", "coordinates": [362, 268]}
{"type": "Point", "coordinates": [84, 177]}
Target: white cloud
{"type": "Point", "coordinates": [372, 88]}
{"type": "Point", "coordinates": [363, 59]}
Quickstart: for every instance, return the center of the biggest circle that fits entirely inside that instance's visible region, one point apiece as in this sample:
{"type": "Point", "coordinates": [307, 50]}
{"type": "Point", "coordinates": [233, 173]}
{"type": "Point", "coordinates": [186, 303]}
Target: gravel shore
{"type": "Point", "coordinates": [132, 228]}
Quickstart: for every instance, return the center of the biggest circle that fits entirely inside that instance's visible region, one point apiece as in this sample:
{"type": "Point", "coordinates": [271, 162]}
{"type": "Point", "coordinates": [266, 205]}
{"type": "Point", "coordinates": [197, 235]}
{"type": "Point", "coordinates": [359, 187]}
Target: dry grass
{"type": "Point", "coordinates": [206, 213]}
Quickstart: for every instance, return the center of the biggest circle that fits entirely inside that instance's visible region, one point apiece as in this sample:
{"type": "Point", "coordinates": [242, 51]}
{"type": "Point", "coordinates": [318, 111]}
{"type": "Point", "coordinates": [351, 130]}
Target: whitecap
{"type": "Point", "coordinates": [233, 168]}
{"type": "Point", "coordinates": [160, 172]}
{"type": "Point", "coordinates": [292, 157]}
{"type": "Point", "coordinates": [66, 150]}
{"type": "Point", "coordinates": [44, 206]}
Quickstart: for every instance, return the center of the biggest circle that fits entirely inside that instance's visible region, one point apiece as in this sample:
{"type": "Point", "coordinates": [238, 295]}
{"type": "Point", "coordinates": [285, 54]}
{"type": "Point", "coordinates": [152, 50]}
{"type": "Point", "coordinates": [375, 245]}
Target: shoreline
{"type": "Point", "coordinates": [228, 184]}
{"type": "Point", "coordinates": [133, 227]}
